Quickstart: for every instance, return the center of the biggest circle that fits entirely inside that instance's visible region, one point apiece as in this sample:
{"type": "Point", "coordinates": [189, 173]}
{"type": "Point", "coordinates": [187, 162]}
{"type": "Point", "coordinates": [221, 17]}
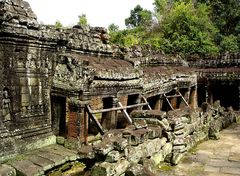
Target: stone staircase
{"type": "Point", "coordinates": [37, 162]}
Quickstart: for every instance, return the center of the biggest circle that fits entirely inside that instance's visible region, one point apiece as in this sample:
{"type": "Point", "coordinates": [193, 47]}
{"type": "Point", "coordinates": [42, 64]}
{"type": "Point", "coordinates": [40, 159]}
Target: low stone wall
{"type": "Point", "coordinates": [155, 137]}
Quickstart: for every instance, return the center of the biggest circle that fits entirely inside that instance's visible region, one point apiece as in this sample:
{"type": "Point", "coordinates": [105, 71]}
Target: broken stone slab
{"type": "Point", "coordinates": [43, 162]}
{"type": "Point", "coordinates": [120, 144]}
{"type": "Point", "coordinates": [104, 147]}
{"type": "Point", "coordinates": [64, 152]}
{"type": "Point", "coordinates": [179, 149]}
{"type": "Point", "coordinates": [177, 158]}
{"type": "Point", "coordinates": [167, 149]}
{"type": "Point", "coordinates": [133, 154]}
{"type": "Point", "coordinates": [27, 168]}
{"type": "Point", "coordinates": [179, 141]}
{"type": "Point", "coordinates": [113, 156]}
{"type": "Point", "coordinates": [86, 152]}
{"type": "Point", "coordinates": [60, 140]}
{"type": "Point", "coordinates": [110, 169]}
{"type": "Point", "coordinates": [139, 124]}
{"type": "Point", "coordinates": [139, 136]}
{"type": "Point", "coordinates": [154, 114]}
{"type": "Point", "coordinates": [103, 169]}
{"type": "Point", "coordinates": [121, 167]}
{"type": "Point", "coordinates": [57, 159]}
{"type": "Point", "coordinates": [135, 170]}
{"type": "Point", "coordinates": [6, 170]}
{"type": "Point", "coordinates": [154, 132]}
{"type": "Point", "coordinates": [157, 157]}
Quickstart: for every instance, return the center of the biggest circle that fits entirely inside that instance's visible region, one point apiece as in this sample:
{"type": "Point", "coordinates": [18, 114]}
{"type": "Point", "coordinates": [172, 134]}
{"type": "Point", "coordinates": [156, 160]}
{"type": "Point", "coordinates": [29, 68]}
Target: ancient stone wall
{"type": "Point", "coordinates": [49, 76]}
{"type": "Point", "coordinates": [156, 137]}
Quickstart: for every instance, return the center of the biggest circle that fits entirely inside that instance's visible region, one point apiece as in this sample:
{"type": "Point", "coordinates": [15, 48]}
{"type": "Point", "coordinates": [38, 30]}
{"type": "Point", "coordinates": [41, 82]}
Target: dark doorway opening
{"type": "Point", "coordinates": [153, 102]}
{"type": "Point", "coordinates": [202, 94]}
{"type": "Point", "coordinates": [227, 94]}
{"type": "Point", "coordinates": [58, 112]}
{"type": "Point", "coordinates": [132, 99]}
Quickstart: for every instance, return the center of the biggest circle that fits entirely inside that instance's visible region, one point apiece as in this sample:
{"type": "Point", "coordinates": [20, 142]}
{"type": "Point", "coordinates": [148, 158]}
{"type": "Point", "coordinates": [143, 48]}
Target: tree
{"type": "Point", "coordinates": [82, 20]}
{"type": "Point", "coordinates": [229, 43]}
{"type": "Point", "coordinates": [225, 15]}
{"type": "Point", "coordinates": [113, 28]}
{"type": "Point", "coordinates": [188, 29]}
{"type": "Point", "coordinates": [138, 17]}
{"type": "Point", "coordinates": [58, 24]}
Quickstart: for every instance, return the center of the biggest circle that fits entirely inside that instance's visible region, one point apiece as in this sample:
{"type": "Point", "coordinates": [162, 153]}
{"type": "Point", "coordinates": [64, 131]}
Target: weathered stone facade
{"type": "Point", "coordinates": [73, 83]}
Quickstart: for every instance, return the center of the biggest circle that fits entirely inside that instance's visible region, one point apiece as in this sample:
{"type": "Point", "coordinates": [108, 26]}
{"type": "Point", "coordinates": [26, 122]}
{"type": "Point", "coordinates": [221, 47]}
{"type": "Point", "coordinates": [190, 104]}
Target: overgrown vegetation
{"type": "Point", "coordinates": [183, 27]}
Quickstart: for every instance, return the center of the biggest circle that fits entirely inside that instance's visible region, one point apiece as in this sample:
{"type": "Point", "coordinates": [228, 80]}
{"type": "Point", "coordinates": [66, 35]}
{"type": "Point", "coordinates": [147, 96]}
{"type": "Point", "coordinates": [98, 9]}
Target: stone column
{"type": "Point", "coordinates": [113, 120]}
{"type": "Point", "coordinates": [109, 119]}
{"type": "Point", "coordinates": [174, 101]}
{"type": "Point", "coordinates": [83, 118]}
{"type": "Point", "coordinates": [193, 97]}
{"type": "Point", "coordinates": [158, 104]}
{"type": "Point", "coordinates": [209, 95]}
{"type": "Point", "coordinates": [239, 97]}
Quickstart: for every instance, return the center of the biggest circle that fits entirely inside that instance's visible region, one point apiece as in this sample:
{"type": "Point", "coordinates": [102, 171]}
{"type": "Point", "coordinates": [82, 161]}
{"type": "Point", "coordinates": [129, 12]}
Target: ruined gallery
{"type": "Point", "coordinates": [69, 96]}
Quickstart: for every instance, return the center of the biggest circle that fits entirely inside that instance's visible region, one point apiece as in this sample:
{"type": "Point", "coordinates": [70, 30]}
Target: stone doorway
{"type": "Point", "coordinates": [58, 112]}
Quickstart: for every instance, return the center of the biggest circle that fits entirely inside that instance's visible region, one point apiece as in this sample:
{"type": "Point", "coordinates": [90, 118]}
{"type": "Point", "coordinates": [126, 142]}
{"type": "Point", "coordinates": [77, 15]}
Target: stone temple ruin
{"type": "Point", "coordinates": [138, 103]}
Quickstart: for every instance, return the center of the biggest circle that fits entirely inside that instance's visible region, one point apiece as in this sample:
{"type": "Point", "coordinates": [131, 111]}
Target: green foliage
{"type": "Point", "coordinates": [138, 17]}
{"type": "Point", "coordinates": [188, 29]}
{"type": "Point", "coordinates": [183, 26]}
{"type": "Point", "coordinates": [113, 28]}
{"type": "Point", "coordinates": [230, 43]}
{"type": "Point", "coordinates": [82, 20]}
{"type": "Point", "coordinates": [58, 25]}
{"type": "Point", "coordinates": [126, 38]}
{"type": "Point", "coordinates": [225, 15]}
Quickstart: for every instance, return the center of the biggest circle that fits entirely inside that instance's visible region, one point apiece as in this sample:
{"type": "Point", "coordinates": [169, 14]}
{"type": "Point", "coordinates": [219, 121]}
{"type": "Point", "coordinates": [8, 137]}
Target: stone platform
{"type": "Point", "coordinates": [38, 161]}
{"type": "Point", "coordinates": [211, 158]}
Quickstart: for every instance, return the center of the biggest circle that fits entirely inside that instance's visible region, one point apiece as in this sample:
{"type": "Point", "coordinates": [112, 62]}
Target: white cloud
{"type": "Point", "coordinates": [98, 12]}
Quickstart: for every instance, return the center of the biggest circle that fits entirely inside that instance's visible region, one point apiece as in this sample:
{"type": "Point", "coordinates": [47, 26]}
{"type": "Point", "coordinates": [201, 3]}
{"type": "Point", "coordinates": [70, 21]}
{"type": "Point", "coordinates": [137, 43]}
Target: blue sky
{"type": "Point", "coordinates": [98, 12]}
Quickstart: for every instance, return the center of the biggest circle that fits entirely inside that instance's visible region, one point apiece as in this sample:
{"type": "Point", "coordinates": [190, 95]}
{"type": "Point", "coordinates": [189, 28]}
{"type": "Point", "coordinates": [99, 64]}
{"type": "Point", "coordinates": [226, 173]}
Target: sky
{"type": "Point", "coordinates": [98, 12]}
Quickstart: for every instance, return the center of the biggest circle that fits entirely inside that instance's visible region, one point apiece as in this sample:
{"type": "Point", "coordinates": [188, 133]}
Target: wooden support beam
{"type": "Point", "coordinates": [118, 108]}
{"type": "Point", "coordinates": [125, 113]}
{"type": "Point", "coordinates": [145, 100]}
{"type": "Point", "coordinates": [183, 98]}
{"type": "Point", "coordinates": [94, 119]}
{"type": "Point", "coordinates": [173, 96]}
{"type": "Point", "coordinates": [168, 101]}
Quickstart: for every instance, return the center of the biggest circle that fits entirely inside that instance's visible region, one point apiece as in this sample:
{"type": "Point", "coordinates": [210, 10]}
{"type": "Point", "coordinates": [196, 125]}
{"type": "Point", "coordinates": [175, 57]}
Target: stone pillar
{"type": "Point", "coordinates": [239, 97]}
{"type": "Point", "coordinates": [83, 118]}
{"type": "Point", "coordinates": [158, 104]}
{"type": "Point", "coordinates": [109, 119]}
{"type": "Point", "coordinates": [113, 120]}
{"type": "Point", "coordinates": [174, 101]}
{"type": "Point", "coordinates": [78, 119]}
{"type": "Point", "coordinates": [193, 97]}
{"type": "Point", "coordinates": [209, 95]}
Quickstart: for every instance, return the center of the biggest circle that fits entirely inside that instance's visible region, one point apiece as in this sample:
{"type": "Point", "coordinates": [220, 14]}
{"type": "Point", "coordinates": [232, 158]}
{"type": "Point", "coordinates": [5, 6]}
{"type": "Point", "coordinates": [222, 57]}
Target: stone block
{"type": "Point", "coordinates": [133, 154]}
{"type": "Point", "coordinates": [154, 132]}
{"type": "Point", "coordinates": [86, 152]}
{"type": "Point", "coordinates": [120, 144]}
{"type": "Point", "coordinates": [103, 169]}
{"type": "Point", "coordinates": [60, 140]}
{"type": "Point", "coordinates": [157, 157]}
{"type": "Point", "coordinates": [135, 170]}
{"type": "Point", "coordinates": [6, 170]}
{"type": "Point", "coordinates": [121, 167]}
{"type": "Point", "coordinates": [113, 156]}
{"type": "Point", "coordinates": [104, 147]}
{"type": "Point", "coordinates": [167, 149]}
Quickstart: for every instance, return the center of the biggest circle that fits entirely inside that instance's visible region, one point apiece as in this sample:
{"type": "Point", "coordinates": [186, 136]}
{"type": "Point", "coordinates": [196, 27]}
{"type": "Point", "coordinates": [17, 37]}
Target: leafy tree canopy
{"type": "Point", "coordinates": [138, 17]}
{"type": "Point", "coordinates": [82, 20]}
